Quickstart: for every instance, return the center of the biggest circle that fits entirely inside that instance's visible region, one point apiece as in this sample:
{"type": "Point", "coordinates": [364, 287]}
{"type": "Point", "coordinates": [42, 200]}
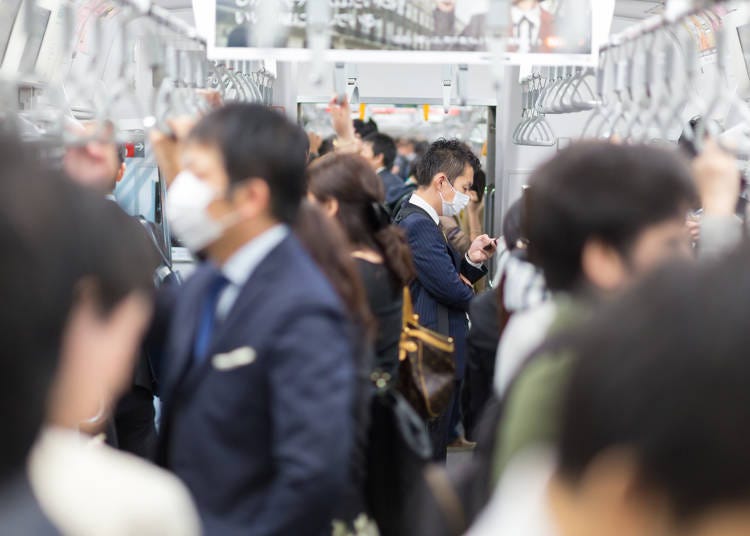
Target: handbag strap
{"type": "Point", "coordinates": [407, 308]}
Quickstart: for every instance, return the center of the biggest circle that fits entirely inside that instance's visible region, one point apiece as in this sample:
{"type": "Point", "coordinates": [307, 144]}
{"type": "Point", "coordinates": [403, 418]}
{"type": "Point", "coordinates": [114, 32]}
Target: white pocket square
{"type": "Point", "coordinates": [234, 359]}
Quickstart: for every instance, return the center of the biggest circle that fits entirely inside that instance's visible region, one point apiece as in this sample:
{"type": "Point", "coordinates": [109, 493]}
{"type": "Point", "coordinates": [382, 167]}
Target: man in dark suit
{"type": "Point", "coordinates": [259, 376]}
{"type": "Point", "coordinates": [443, 288]}
{"type": "Point", "coordinates": [380, 152]}
{"type": "Point", "coordinates": [100, 166]}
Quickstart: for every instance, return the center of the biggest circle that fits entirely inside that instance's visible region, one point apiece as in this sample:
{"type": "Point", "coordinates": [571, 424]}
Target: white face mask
{"type": "Point", "coordinates": [187, 212]}
{"type": "Point", "coordinates": [454, 208]}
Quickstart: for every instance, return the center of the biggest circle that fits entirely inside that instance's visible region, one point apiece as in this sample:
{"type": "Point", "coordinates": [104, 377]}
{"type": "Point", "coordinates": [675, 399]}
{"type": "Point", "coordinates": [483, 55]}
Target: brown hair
{"type": "Point", "coordinates": [322, 239]}
{"type": "Point", "coordinates": [360, 194]}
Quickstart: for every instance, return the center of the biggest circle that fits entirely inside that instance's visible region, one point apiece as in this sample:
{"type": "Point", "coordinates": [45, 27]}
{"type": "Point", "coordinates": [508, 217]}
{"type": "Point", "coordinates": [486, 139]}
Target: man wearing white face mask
{"type": "Point", "coordinates": [443, 288]}
{"type": "Point", "coordinates": [259, 378]}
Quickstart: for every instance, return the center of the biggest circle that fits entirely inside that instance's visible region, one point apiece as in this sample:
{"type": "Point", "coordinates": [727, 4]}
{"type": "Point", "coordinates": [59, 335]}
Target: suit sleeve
{"type": "Point", "coordinates": [472, 273]}
{"type": "Point", "coordinates": [435, 269]}
{"type": "Point", "coordinates": [311, 387]}
{"type": "Point", "coordinates": [156, 336]}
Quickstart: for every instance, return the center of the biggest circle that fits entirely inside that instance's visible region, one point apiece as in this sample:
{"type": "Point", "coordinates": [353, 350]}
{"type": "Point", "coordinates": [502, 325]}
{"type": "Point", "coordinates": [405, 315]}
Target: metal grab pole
{"type": "Point", "coordinates": [164, 18]}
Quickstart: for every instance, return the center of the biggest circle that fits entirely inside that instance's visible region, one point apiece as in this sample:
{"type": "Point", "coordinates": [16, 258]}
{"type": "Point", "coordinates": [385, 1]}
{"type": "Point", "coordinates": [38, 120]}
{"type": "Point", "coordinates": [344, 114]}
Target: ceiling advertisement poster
{"type": "Point", "coordinates": [406, 31]}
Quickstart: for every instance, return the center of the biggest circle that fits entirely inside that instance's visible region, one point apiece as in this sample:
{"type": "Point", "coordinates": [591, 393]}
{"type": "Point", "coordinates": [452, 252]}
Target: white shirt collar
{"type": "Point", "coordinates": [243, 263]}
{"type": "Point", "coordinates": [380, 170]}
{"type": "Point", "coordinates": [417, 200]}
{"type": "Point", "coordinates": [534, 15]}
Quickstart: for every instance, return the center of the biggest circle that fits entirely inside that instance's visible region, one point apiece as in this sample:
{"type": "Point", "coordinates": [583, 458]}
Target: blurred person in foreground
{"type": "Point", "coordinates": [601, 217]}
{"type": "Point", "coordinates": [655, 425]}
{"type": "Point", "coordinates": [259, 381]}
{"type": "Point", "coordinates": [77, 327]}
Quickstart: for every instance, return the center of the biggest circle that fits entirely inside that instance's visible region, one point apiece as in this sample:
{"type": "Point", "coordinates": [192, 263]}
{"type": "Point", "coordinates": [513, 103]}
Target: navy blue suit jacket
{"type": "Point", "coordinates": [438, 282]}
{"type": "Point", "coordinates": [262, 431]}
{"type": "Point", "coordinates": [393, 185]}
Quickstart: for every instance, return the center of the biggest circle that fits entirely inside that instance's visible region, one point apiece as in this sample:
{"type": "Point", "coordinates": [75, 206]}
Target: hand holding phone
{"type": "Point", "coordinates": [491, 246]}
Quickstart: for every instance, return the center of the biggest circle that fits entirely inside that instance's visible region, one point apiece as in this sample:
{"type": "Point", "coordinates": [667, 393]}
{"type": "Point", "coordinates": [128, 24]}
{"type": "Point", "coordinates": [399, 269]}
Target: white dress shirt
{"type": "Point", "coordinates": [243, 263]}
{"type": "Point", "coordinates": [91, 489]}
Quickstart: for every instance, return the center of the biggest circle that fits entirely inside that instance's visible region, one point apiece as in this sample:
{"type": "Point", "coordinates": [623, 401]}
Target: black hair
{"type": "Point", "coordinates": [257, 142]}
{"type": "Point", "coordinates": [363, 129]}
{"type": "Point", "coordinates": [512, 225]}
{"type": "Point", "coordinates": [72, 235]}
{"type": "Point", "coordinates": [664, 373]}
{"type": "Point", "coordinates": [603, 191]}
{"type": "Point", "coordinates": [360, 193]}
{"type": "Point", "coordinates": [383, 144]}
{"type": "Point", "coordinates": [122, 152]}
{"type": "Point", "coordinates": [446, 156]}
{"type": "Point", "coordinates": [327, 146]}
{"type": "Point", "coordinates": [480, 183]}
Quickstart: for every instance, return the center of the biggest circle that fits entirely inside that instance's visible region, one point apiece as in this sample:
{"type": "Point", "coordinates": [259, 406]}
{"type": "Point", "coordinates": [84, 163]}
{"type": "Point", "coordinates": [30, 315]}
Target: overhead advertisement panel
{"type": "Point", "coordinates": [542, 32]}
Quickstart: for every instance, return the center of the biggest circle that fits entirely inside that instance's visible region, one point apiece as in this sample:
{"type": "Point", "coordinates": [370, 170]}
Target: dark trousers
{"type": "Point", "coordinates": [480, 372]}
{"type": "Point", "coordinates": [456, 413]}
{"type": "Point", "coordinates": [134, 423]}
{"type": "Point", "coordinates": [440, 428]}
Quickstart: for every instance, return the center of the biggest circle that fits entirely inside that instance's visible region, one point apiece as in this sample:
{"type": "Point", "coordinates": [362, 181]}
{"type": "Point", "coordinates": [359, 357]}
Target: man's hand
{"type": "Point", "coordinates": [718, 180]}
{"type": "Point", "coordinates": [93, 163]}
{"type": "Point", "coordinates": [482, 249]}
{"type": "Point", "coordinates": [168, 147]}
{"type": "Point", "coordinates": [315, 142]}
{"type": "Point", "coordinates": [341, 118]}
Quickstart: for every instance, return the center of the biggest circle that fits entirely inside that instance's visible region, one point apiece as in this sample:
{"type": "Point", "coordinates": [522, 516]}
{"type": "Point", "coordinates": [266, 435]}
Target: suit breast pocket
{"type": "Point", "coordinates": [235, 384]}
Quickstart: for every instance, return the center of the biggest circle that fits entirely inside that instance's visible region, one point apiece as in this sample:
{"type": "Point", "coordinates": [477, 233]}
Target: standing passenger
{"type": "Point", "coordinates": [259, 376]}
{"type": "Point", "coordinates": [443, 288]}
{"type": "Point", "coordinates": [99, 165]}
{"type": "Point", "coordinates": [380, 152]}
{"type": "Point", "coordinates": [350, 191]}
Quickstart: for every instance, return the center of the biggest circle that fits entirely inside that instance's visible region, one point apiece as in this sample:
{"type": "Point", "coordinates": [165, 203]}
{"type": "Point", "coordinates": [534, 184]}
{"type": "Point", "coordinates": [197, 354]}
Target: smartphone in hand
{"type": "Point", "coordinates": [492, 245]}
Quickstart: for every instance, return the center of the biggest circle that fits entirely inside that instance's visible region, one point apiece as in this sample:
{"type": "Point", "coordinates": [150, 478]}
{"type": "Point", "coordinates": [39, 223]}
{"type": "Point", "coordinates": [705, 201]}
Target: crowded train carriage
{"type": "Point", "coordinates": [375, 267]}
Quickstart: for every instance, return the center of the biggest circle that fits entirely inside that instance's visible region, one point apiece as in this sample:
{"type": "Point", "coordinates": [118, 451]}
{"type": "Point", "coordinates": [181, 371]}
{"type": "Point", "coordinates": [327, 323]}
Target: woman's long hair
{"type": "Point", "coordinates": [360, 194]}
{"type": "Point", "coordinates": [322, 239]}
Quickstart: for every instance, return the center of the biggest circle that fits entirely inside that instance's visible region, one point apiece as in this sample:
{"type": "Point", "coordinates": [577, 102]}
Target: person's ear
{"type": "Point", "coordinates": [121, 172]}
{"type": "Point", "coordinates": [602, 265]}
{"type": "Point", "coordinates": [253, 198]}
{"type": "Point", "coordinates": [438, 181]}
{"type": "Point", "coordinates": [331, 207]}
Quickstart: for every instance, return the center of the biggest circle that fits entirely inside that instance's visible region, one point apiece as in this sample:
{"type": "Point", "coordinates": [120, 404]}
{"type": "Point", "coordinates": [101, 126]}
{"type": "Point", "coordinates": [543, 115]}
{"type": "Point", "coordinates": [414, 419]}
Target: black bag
{"type": "Point", "coordinates": [398, 452]}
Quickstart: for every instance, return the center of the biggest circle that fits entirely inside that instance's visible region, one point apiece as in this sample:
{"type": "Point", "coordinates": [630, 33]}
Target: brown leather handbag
{"type": "Point", "coordinates": [427, 370]}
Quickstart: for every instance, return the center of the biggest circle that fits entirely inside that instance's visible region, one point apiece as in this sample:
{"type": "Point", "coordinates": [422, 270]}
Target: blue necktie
{"type": "Point", "coordinates": [208, 317]}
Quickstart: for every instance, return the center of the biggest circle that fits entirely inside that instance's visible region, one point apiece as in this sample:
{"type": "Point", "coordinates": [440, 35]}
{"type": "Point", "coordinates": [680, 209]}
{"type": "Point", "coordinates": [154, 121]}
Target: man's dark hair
{"type": "Point", "coordinates": [257, 142]}
{"type": "Point", "coordinates": [512, 225]}
{"type": "Point", "coordinates": [480, 183]}
{"type": "Point", "coordinates": [383, 144]}
{"type": "Point", "coordinates": [664, 374]}
{"type": "Point", "coordinates": [71, 236]}
{"type": "Point", "coordinates": [446, 156]}
{"type": "Point", "coordinates": [603, 191]}
{"type": "Point", "coordinates": [363, 129]}
{"type": "Point", "coordinates": [122, 152]}
{"type": "Point", "coordinates": [327, 146]}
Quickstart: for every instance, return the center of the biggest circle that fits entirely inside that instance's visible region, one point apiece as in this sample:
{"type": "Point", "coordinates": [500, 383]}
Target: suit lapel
{"type": "Point", "coordinates": [455, 256]}
{"type": "Point", "coordinates": [249, 296]}
{"type": "Point", "coordinates": [182, 330]}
